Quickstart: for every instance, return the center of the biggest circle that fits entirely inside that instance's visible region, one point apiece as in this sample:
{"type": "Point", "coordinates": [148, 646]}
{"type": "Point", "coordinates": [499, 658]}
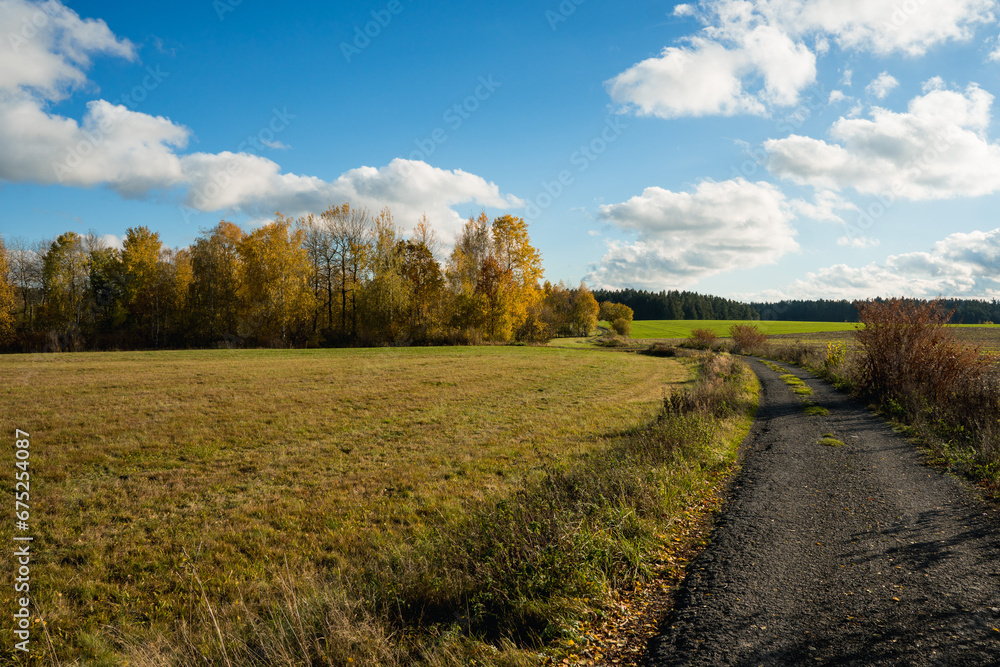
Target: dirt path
{"type": "Point", "coordinates": [839, 555]}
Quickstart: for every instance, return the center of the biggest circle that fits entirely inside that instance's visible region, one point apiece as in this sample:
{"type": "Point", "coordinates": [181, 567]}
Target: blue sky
{"type": "Point", "coordinates": [768, 149]}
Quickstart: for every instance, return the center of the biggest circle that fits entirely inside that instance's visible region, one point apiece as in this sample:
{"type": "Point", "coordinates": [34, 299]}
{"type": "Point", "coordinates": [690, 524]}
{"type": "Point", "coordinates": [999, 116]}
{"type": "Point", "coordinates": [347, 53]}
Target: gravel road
{"type": "Point", "coordinates": [840, 555]}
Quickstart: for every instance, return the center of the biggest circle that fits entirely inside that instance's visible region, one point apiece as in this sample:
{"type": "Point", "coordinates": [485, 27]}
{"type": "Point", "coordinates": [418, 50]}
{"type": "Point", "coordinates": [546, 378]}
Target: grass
{"type": "Point", "coordinates": [829, 440]}
{"type": "Point", "coordinates": [179, 496]}
{"type": "Point", "coordinates": [682, 328]}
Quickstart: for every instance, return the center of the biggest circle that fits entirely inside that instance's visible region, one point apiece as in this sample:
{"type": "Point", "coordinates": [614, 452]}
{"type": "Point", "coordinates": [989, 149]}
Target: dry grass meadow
{"type": "Point", "coordinates": [170, 484]}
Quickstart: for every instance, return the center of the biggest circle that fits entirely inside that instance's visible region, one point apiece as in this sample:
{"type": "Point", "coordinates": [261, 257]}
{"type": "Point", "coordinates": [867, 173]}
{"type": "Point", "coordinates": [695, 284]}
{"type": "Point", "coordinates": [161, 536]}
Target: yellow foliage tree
{"type": "Point", "coordinates": [145, 293]}
{"type": "Point", "coordinates": [494, 272]}
{"type": "Point", "coordinates": [214, 300]}
{"type": "Point", "coordinates": [585, 311]}
{"type": "Point", "coordinates": [274, 271]}
{"type": "Point", "coordinates": [7, 298]}
{"type": "Point", "coordinates": [65, 277]}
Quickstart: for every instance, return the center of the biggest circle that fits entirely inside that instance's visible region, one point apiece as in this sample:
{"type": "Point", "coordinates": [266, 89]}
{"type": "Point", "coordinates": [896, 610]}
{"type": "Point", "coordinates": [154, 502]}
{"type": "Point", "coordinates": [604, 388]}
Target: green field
{"type": "Point", "coordinates": [647, 329]}
{"type": "Point", "coordinates": [170, 490]}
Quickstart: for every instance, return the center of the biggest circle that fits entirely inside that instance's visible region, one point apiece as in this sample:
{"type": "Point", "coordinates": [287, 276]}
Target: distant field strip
{"type": "Point", "coordinates": [151, 467]}
{"type": "Point", "coordinates": [683, 328]}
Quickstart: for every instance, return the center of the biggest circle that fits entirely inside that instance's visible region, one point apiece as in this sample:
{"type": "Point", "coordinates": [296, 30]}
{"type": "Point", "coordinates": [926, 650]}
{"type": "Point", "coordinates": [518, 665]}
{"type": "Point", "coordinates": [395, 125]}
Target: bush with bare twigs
{"type": "Point", "coordinates": [914, 366]}
{"type": "Point", "coordinates": [748, 338]}
{"type": "Point", "coordinates": [702, 339]}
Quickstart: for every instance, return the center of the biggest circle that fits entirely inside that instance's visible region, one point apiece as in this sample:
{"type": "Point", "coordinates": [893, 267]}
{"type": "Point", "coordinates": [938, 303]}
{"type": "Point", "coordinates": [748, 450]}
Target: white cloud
{"type": "Point", "coordinates": [881, 26]}
{"type": "Point", "coordinates": [46, 47]}
{"type": "Point", "coordinates": [112, 241]}
{"type": "Point", "coordinates": [751, 56]}
{"type": "Point", "coordinates": [129, 152]}
{"type": "Point", "coordinates": [848, 77]}
{"type": "Point", "coordinates": [255, 185]}
{"type": "Point", "coordinates": [137, 154]}
{"type": "Point", "coordinates": [933, 83]}
{"type": "Point", "coordinates": [685, 236]}
{"type": "Point", "coordinates": [883, 84]}
{"type": "Point", "coordinates": [275, 145]}
{"type": "Point", "coordinates": [859, 241]}
{"type": "Point", "coordinates": [937, 149]}
{"type": "Point", "coordinates": [707, 78]}
{"type": "Point", "coordinates": [824, 207]}
{"type": "Point", "coordinates": [837, 96]}
{"type": "Point", "coordinates": [684, 10]}
{"type": "Point", "coordinates": [962, 265]}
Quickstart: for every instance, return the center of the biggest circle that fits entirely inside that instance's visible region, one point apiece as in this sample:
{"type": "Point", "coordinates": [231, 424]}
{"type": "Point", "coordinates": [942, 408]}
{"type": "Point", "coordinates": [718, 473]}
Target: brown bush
{"type": "Point", "coordinates": [748, 338]}
{"type": "Point", "coordinates": [703, 338]}
{"type": "Point", "coordinates": [908, 353]}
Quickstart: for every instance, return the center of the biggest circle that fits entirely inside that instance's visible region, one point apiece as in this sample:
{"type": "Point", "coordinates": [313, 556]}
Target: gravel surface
{"type": "Point", "coordinates": [841, 555]}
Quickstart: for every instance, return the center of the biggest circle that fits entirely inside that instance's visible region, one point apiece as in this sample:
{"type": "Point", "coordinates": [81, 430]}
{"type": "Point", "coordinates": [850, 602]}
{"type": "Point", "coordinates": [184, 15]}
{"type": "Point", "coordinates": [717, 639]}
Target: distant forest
{"type": "Point", "coordinates": [675, 305]}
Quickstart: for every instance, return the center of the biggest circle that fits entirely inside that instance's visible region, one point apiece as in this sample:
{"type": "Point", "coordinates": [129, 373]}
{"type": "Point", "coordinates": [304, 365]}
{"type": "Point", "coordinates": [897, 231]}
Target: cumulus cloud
{"type": "Point", "coordinates": [882, 26]}
{"type": "Point", "coordinates": [962, 265]}
{"type": "Point", "coordinates": [685, 236]}
{"type": "Point", "coordinates": [46, 47]}
{"type": "Point", "coordinates": [255, 185]}
{"type": "Point", "coordinates": [937, 149]}
{"type": "Point", "coordinates": [751, 56]}
{"type": "Point", "coordinates": [706, 77]}
{"type": "Point", "coordinates": [883, 84]}
{"type": "Point", "coordinates": [43, 60]}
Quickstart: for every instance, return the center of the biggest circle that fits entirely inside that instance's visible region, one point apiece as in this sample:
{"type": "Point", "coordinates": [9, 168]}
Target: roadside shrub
{"type": "Point", "coordinates": [714, 393]}
{"type": "Point", "coordinates": [913, 366]}
{"type": "Point", "coordinates": [909, 354]}
{"type": "Point", "coordinates": [748, 338]}
{"type": "Point", "coordinates": [702, 339]}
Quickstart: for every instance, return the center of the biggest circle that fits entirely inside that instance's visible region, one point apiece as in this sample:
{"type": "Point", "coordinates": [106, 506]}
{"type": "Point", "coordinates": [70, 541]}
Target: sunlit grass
{"type": "Point", "coordinates": [683, 328]}
{"type": "Point", "coordinates": [150, 468]}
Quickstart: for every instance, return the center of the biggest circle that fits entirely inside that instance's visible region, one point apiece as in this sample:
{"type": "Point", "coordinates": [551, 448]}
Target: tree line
{"type": "Point", "coordinates": [966, 311]}
{"type": "Point", "coordinates": [675, 305]}
{"type": "Point", "coordinates": [344, 277]}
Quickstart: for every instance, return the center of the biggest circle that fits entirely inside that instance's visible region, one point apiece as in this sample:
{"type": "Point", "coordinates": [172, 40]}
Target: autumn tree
{"type": "Point", "coordinates": [65, 273]}
{"type": "Point", "coordinates": [585, 311]}
{"type": "Point", "coordinates": [323, 279]}
{"type": "Point", "coordinates": [618, 315]}
{"type": "Point", "coordinates": [8, 298]}
{"type": "Point", "coordinates": [350, 232]}
{"type": "Point", "coordinates": [144, 284]}
{"type": "Point", "coordinates": [521, 263]}
{"type": "Point", "coordinates": [213, 292]}
{"type": "Point", "coordinates": [274, 294]}
{"type": "Point", "coordinates": [107, 287]}
{"type": "Point", "coordinates": [463, 274]}
{"type": "Point", "coordinates": [386, 294]}
{"type": "Point", "coordinates": [426, 285]}
{"type": "Point", "coordinates": [494, 272]}
{"type": "Point", "coordinates": [24, 263]}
